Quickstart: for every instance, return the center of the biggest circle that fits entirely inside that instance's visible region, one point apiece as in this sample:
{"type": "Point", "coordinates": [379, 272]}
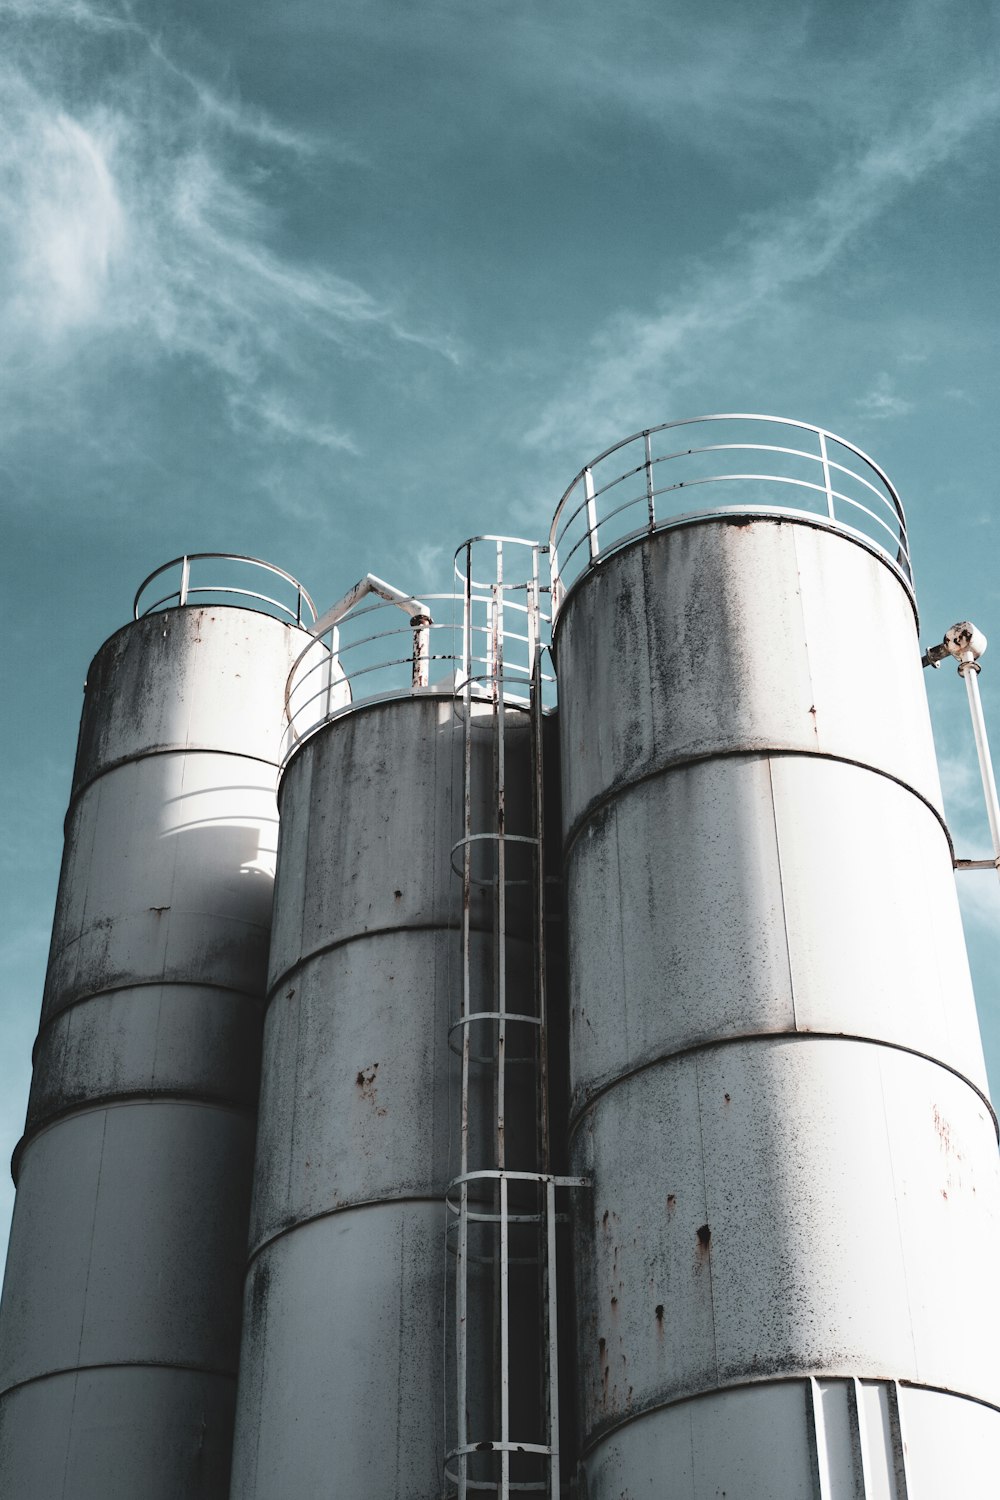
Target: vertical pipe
{"type": "Point", "coordinates": [462, 1258]}
{"type": "Point", "coordinates": [553, 1339]}
{"type": "Point", "coordinates": [970, 671]}
{"type": "Point", "coordinates": [650, 506]}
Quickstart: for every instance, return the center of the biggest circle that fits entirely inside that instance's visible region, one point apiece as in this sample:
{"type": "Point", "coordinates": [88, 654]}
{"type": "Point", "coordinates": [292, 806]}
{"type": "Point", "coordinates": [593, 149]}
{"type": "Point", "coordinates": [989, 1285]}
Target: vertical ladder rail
{"type": "Point", "coordinates": [510, 1218]}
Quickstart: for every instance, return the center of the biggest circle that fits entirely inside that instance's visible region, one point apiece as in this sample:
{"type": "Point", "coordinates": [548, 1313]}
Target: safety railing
{"type": "Point", "coordinates": [231, 579]}
{"type": "Point", "coordinates": [379, 643]}
{"type": "Point", "coordinates": [759, 465]}
{"type": "Point", "coordinates": [503, 1413]}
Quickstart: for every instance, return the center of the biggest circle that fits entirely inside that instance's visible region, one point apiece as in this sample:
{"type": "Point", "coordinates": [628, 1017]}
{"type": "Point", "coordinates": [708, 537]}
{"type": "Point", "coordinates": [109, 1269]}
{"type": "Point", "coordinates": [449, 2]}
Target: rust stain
{"type": "Point", "coordinates": [704, 1236]}
{"type": "Point", "coordinates": [365, 1081]}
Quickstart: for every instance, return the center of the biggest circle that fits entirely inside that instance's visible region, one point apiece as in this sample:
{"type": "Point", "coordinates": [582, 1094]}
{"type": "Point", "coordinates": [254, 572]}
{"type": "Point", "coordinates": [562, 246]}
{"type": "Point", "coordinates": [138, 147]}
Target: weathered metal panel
{"type": "Point", "coordinates": [707, 641]}
{"type": "Point", "coordinates": [732, 919]}
{"type": "Point", "coordinates": [342, 1373]}
{"type": "Point", "coordinates": [130, 1221]}
{"type": "Point", "coordinates": [168, 876]}
{"type": "Point", "coordinates": [175, 1039]}
{"type": "Point", "coordinates": [359, 1095]}
{"type": "Point", "coordinates": [780, 1207]}
{"type": "Point", "coordinates": [828, 1439]}
{"type": "Point", "coordinates": [364, 850]}
{"type": "Point", "coordinates": [342, 1366]}
{"type": "Point", "coordinates": [199, 678]}
{"type": "Point", "coordinates": [742, 1443]}
{"type": "Point", "coordinates": [128, 1241]}
{"type": "Point", "coordinates": [772, 1033]}
{"type": "Point", "coordinates": [127, 1433]}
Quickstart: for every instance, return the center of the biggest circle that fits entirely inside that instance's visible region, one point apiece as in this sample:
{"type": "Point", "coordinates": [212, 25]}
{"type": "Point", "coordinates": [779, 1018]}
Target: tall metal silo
{"type": "Point", "coordinates": [786, 1269]}
{"type": "Point", "coordinates": [119, 1330]}
{"type": "Point", "coordinates": [392, 922]}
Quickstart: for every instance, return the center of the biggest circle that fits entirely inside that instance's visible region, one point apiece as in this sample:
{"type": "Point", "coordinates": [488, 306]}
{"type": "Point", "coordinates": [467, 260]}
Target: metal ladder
{"type": "Point", "coordinates": [508, 1198]}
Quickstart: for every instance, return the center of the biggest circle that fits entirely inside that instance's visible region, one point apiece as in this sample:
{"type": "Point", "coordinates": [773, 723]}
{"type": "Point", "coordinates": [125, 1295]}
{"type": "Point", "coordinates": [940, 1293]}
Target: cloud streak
{"type": "Point", "coordinates": [767, 258]}
{"type": "Point", "coordinates": [133, 223]}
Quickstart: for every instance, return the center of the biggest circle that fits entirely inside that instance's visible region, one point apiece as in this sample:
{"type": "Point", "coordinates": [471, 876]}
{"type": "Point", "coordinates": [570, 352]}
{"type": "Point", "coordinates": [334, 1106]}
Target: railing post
{"type": "Point", "coordinates": [588, 483]}
{"type": "Point", "coordinates": [421, 650]}
{"type": "Point", "coordinates": [185, 580]}
{"type": "Point", "coordinates": [649, 482]}
{"type": "Point", "coordinates": [826, 474]}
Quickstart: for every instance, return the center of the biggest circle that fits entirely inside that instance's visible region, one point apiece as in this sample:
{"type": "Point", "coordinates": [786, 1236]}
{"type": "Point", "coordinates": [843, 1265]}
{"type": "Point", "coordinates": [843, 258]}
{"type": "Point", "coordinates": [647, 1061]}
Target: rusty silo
{"type": "Point", "coordinates": [786, 1267]}
{"type": "Point", "coordinates": [120, 1318]}
{"type": "Point", "coordinates": [403, 919]}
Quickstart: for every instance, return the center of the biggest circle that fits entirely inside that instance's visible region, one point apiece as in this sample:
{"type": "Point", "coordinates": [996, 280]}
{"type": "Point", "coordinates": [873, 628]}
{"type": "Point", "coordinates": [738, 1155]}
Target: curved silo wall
{"type": "Point", "coordinates": [342, 1373]}
{"type": "Point", "coordinates": [120, 1317]}
{"type": "Point", "coordinates": [785, 1272]}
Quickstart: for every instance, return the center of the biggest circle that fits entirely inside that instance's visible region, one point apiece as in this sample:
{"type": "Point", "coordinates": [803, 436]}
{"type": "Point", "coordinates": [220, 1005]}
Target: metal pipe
{"type": "Point", "coordinates": [970, 671]}
{"type": "Point", "coordinates": [365, 586]}
{"type": "Point", "coordinates": [421, 650]}
{"type": "Point", "coordinates": [967, 644]}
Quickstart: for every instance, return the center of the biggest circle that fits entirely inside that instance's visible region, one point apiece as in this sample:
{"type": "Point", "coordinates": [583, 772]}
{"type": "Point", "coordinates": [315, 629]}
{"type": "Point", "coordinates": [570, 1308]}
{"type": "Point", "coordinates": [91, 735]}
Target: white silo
{"type": "Point", "coordinates": [786, 1268]}
{"type": "Point", "coordinates": [119, 1330]}
{"type": "Point", "coordinates": [399, 910]}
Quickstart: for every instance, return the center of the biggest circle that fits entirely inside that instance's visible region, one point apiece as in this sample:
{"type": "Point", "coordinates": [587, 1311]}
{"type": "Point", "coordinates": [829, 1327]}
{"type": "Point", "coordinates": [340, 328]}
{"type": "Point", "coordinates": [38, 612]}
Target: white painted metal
{"type": "Point", "coordinates": [970, 672]}
{"type": "Point", "coordinates": [123, 1278]}
{"type": "Point", "coordinates": [726, 638]}
{"type": "Point", "coordinates": [777, 1083]}
{"type": "Point", "coordinates": [824, 1439]}
{"type": "Point", "coordinates": [634, 488]}
{"type": "Point", "coordinates": [733, 923]}
{"type": "Point", "coordinates": [345, 1297]}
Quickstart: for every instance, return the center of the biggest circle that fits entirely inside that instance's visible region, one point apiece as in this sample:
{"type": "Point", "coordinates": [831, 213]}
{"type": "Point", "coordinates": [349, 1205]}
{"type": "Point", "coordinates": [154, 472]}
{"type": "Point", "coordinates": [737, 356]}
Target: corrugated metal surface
{"type": "Point", "coordinates": [119, 1330]}
{"type": "Point", "coordinates": [777, 1080]}
{"type": "Point", "coordinates": [342, 1374]}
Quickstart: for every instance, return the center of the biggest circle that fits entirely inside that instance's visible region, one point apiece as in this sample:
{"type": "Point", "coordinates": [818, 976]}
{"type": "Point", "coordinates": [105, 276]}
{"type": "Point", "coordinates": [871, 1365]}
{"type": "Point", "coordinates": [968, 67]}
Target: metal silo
{"type": "Point", "coordinates": [120, 1317]}
{"type": "Point", "coordinates": [786, 1268]}
{"type": "Point", "coordinates": [403, 919]}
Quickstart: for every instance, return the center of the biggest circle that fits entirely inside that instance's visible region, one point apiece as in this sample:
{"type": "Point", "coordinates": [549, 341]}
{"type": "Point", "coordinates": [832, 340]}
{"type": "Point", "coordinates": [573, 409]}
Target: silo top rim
{"type": "Point", "coordinates": [228, 587]}
{"type": "Point", "coordinates": [809, 471]}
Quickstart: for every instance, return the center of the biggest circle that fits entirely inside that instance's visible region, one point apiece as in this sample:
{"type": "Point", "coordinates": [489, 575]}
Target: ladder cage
{"type": "Point", "coordinates": [503, 1407]}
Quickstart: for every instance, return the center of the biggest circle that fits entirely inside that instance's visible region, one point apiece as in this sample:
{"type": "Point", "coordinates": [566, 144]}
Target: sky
{"type": "Point", "coordinates": [340, 285]}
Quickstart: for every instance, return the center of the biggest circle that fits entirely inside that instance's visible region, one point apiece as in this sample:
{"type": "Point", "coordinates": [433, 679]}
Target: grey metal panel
{"type": "Point", "coordinates": [130, 1222]}
{"type": "Point", "coordinates": [156, 1039]}
{"type": "Point", "coordinates": [747, 1442]}
{"type": "Point", "coordinates": [359, 1095]}
{"type": "Point", "coordinates": [119, 1434]}
{"type": "Point", "coordinates": [782, 1206]}
{"type": "Point", "coordinates": [199, 678]}
{"type": "Point", "coordinates": [367, 832]}
{"type": "Point", "coordinates": [754, 894]}
{"type": "Point", "coordinates": [836, 1439]}
{"type": "Point", "coordinates": [128, 1241]}
{"type": "Point", "coordinates": [342, 1365]}
{"type": "Point", "coordinates": [342, 1375]}
{"type": "Point", "coordinates": [727, 637]}
{"type": "Point", "coordinates": [168, 876]}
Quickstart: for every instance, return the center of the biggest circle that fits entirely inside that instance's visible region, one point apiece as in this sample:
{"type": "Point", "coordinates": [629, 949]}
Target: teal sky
{"type": "Point", "coordinates": [339, 285]}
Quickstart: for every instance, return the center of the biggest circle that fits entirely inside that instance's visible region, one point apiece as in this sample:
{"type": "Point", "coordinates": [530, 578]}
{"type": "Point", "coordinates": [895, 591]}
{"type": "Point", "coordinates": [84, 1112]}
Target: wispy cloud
{"type": "Point", "coordinates": [882, 401]}
{"type": "Point", "coordinates": [134, 219]}
{"type": "Point", "coordinates": [765, 259]}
